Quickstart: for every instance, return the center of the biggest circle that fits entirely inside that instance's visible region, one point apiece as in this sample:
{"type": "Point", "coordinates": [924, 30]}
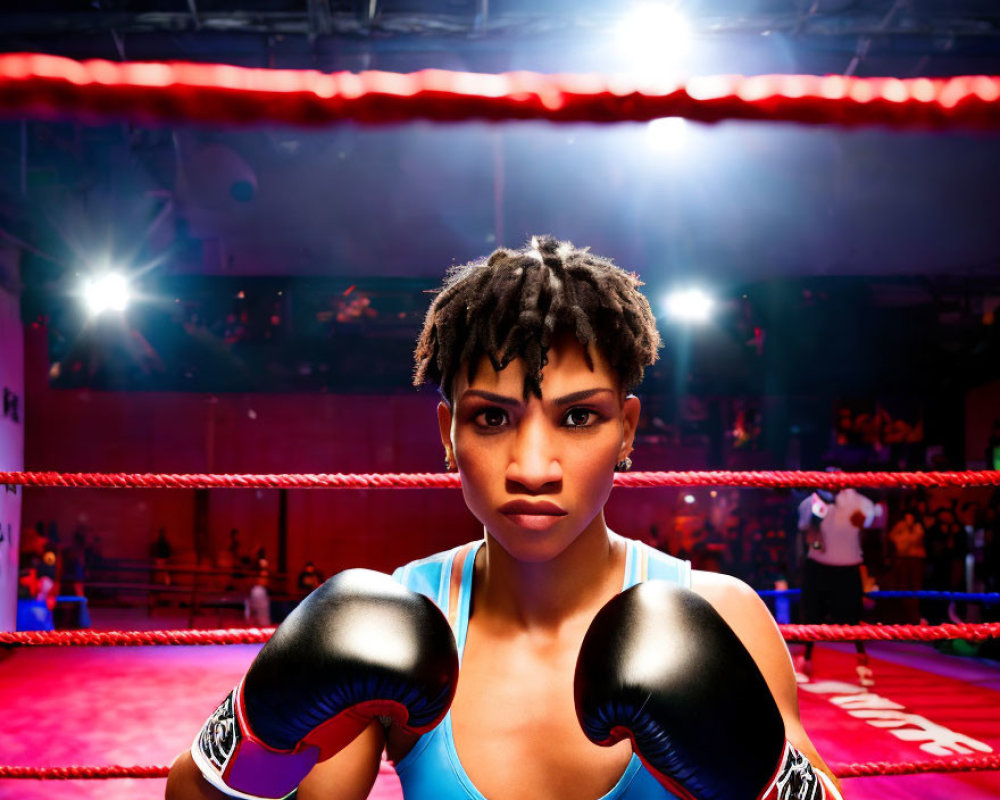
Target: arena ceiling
{"type": "Point", "coordinates": [799, 228]}
{"type": "Point", "coordinates": [732, 202]}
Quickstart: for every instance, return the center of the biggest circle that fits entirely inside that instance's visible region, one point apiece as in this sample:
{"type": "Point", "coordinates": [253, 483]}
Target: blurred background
{"type": "Point", "coordinates": [826, 295]}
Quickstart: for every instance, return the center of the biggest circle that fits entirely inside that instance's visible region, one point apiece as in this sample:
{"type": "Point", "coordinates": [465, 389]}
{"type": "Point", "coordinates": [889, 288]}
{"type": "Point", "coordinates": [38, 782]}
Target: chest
{"type": "Point", "coordinates": [515, 726]}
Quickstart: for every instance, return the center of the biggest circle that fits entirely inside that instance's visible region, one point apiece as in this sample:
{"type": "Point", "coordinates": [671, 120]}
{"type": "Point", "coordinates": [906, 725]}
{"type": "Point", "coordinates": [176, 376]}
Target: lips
{"type": "Point", "coordinates": [536, 508]}
{"type": "Point", "coordinates": [535, 516]}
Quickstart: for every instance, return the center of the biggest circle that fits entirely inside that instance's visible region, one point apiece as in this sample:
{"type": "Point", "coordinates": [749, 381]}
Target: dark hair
{"type": "Point", "coordinates": [514, 303]}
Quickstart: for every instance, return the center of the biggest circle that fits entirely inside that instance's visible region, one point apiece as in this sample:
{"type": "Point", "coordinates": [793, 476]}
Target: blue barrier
{"type": "Point", "coordinates": [987, 598]}
{"type": "Point", "coordinates": [779, 592]}
{"type": "Point", "coordinates": [34, 615]}
{"type": "Point", "coordinates": [71, 612]}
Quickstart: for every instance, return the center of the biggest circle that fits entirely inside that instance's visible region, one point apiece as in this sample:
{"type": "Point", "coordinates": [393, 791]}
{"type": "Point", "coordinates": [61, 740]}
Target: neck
{"type": "Point", "coordinates": [542, 596]}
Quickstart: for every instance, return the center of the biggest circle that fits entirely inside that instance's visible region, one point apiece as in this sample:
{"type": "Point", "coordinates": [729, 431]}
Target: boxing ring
{"type": "Point", "coordinates": [80, 706]}
{"type": "Point", "coordinates": [939, 712]}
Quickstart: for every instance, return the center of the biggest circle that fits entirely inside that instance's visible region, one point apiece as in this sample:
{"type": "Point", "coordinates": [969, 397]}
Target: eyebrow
{"type": "Point", "coordinates": [504, 400]}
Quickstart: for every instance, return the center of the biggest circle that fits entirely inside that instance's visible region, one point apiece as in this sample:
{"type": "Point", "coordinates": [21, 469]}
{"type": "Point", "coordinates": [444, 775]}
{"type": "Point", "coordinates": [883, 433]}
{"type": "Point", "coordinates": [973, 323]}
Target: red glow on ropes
{"type": "Point", "coordinates": [46, 85]}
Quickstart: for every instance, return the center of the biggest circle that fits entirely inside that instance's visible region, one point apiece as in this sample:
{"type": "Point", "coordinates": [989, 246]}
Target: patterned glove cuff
{"type": "Point", "coordinates": [238, 764]}
{"type": "Point", "coordinates": [797, 779]}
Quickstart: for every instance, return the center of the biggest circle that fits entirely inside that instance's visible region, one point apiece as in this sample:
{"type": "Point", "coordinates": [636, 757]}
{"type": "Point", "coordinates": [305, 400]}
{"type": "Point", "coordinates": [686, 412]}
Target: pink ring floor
{"type": "Point", "coordinates": [100, 706]}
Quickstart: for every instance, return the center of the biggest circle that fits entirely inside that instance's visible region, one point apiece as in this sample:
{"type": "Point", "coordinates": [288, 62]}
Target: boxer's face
{"type": "Point", "coordinates": [536, 473]}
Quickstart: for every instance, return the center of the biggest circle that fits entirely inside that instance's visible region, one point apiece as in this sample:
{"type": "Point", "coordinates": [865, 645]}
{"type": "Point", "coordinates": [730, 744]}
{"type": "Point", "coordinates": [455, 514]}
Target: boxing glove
{"type": "Point", "coordinates": [358, 647]}
{"type": "Point", "coordinates": [659, 665]}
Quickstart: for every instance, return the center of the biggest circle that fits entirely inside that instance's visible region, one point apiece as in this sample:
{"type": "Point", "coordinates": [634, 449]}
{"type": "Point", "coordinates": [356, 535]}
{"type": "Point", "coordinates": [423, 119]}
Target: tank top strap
{"type": "Point", "coordinates": [460, 592]}
{"type": "Point", "coordinates": [635, 564]}
{"type": "Point", "coordinates": [643, 563]}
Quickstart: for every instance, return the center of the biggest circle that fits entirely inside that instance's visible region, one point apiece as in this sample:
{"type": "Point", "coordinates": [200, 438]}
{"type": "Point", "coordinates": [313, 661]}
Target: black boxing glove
{"type": "Point", "coordinates": [660, 666]}
{"type": "Point", "coordinates": [360, 646]}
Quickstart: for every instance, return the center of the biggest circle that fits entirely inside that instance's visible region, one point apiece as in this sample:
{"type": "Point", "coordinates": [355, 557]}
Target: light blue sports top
{"type": "Point", "coordinates": [431, 770]}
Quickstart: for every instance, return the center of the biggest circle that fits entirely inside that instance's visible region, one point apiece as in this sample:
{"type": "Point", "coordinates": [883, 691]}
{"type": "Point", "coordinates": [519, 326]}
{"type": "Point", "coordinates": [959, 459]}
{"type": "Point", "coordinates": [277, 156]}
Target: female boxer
{"type": "Point", "coordinates": [591, 666]}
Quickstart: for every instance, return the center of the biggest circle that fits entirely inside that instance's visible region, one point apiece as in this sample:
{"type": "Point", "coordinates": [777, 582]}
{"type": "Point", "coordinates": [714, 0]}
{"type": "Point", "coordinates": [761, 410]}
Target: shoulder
{"type": "Point", "coordinates": [728, 595]}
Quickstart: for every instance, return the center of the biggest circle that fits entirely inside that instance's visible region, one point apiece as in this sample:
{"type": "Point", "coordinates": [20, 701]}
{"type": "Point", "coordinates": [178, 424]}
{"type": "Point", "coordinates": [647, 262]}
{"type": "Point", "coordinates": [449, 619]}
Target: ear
{"type": "Point", "coordinates": [630, 421]}
{"type": "Point", "coordinates": [444, 427]}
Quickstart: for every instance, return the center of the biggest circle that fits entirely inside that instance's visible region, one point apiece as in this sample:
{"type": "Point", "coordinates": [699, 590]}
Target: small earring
{"type": "Point", "coordinates": [624, 465]}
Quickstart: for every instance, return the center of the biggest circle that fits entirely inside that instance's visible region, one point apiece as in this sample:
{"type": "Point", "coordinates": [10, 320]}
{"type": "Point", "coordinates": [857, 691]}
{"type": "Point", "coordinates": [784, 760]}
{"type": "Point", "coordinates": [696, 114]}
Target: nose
{"type": "Point", "coordinates": [534, 464]}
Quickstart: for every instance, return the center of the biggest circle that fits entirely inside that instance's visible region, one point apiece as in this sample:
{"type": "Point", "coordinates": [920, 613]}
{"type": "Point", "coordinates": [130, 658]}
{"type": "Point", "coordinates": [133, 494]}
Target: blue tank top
{"type": "Point", "coordinates": [431, 770]}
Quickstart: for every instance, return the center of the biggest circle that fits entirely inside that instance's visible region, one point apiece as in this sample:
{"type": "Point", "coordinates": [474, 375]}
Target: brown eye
{"type": "Point", "coordinates": [492, 417]}
{"type": "Point", "coordinates": [579, 418]}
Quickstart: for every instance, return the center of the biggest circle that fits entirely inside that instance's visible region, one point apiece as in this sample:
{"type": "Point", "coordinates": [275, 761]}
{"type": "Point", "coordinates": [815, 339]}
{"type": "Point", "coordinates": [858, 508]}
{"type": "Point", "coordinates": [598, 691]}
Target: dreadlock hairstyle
{"type": "Point", "coordinates": [514, 303]}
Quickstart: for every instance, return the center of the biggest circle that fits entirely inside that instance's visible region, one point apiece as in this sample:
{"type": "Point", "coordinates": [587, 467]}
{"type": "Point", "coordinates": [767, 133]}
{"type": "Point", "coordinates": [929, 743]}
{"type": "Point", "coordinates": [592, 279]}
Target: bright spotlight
{"type": "Point", "coordinates": [667, 134]}
{"type": "Point", "coordinates": [689, 305]}
{"type": "Point", "coordinates": [689, 499]}
{"type": "Point", "coordinates": [655, 35]}
{"type": "Point", "coordinates": [107, 292]}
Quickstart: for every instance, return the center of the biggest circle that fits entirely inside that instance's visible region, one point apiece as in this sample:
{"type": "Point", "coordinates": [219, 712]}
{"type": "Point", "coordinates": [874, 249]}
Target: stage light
{"type": "Point", "coordinates": [689, 499]}
{"type": "Point", "coordinates": [667, 135]}
{"type": "Point", "coordinates": [689, 305]}
{"type": "Point", "coordinates": [106, 292]}
{"type": "Point", "coordinates": [656, 37]}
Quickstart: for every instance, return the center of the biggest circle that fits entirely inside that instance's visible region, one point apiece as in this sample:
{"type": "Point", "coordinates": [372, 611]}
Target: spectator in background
{"type": "Point", "coordinates": [909, 554]}
{"type": "Point", "coordinates": [27, 583]}
{"type": "Point", "coordinates": [161, 549]}
{"type": "Point", "coordinates": [49, 575]}
{"type": "Point", "coordinates": [309, 578]}
{"type": "Point", "coordinates": [159, 552]}
{"type": "Point", "coordinates": [832, 588]}
{"type": "Point", "coordinates": [30, 559]}
{"type": "Point", "coordinates": [257, 606]}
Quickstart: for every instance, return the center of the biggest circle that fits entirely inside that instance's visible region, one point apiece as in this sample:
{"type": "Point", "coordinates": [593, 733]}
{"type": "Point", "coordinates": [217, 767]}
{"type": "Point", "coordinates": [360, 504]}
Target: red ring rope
{"type": "Point", "coordinates": [886, 768]}
{"type": "Point", "coordinates": [38, 84]}
{"type": "Point", "coordinates": [796, 633]}
{"type": "Point", "coordinates": [861, 770]}
{"type": "Point", "coordinates": [763, 479]}
{"type": "Point", "coordinates": [890, 633]}
{"type": "Point", "coordinates": [83, 773]}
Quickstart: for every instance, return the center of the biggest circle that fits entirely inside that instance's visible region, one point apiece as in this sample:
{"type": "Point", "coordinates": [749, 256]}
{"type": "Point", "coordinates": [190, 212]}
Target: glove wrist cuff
{"type": "Point", "coordinates": [239, 764]}
{"type": "Point", "coordinates": [797, 779]}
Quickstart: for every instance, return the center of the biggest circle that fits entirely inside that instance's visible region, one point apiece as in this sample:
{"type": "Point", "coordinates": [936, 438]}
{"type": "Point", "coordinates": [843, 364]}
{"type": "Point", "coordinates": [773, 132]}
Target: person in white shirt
{"type": "Point", "coordinates": [832, 588]}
